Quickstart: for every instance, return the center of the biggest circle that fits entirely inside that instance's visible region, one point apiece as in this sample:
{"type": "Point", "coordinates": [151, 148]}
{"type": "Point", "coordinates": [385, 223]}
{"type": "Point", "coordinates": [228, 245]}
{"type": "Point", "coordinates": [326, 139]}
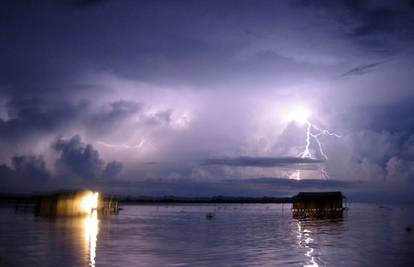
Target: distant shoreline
{"type": "Point", "coordinates": [209, 200]}
{"type": "Point", "coordinates": [167, 199]}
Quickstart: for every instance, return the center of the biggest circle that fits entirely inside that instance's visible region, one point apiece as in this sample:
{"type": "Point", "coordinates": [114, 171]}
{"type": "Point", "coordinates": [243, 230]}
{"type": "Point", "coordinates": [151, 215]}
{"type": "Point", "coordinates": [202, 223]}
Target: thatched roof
{"type": "Point", "coordinates": [318, 195]}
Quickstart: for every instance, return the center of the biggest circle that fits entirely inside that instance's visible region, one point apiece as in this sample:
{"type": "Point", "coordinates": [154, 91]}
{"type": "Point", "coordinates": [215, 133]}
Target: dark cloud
{"type": "Point", "coordinates": [77, 161]}
{"type": "Point", "coordinates": [326, 3]}
{"type": "Point", "coordinates": [33, 167]}
{"type": "Point", "coordinates": [26, 172]}
{"type": "Point", "coordinates": [77, 158]}
{"type": "Point", "coordinates": [82, 160]}
{"type": "Point", "coordinates": [8, 180]}
{"type": "Point", "coordinates": [32, 116]}
{"type": "Point", "coordinates": [302, 184]}
{"type": "Point", "coordinates": [363, 69]}
{"type": "Point", "coordinates": [113, 115]}
{"type": "Point", "coordinates": [118, 115]}
{"type": "Point", "coordinates": [262, 161]}
{"type": "Point", "coordinates": [112, 170]}
{"type": "Point", "coordinates": [377, 27]}
{"type": "Point", "coordinates": [383, 18]}
{"type": "Point", "coordinates": [81, 4]}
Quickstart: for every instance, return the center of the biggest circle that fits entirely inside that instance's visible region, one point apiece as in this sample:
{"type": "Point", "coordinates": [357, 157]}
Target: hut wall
{"type": "Point", "coordinates": [317, 205]}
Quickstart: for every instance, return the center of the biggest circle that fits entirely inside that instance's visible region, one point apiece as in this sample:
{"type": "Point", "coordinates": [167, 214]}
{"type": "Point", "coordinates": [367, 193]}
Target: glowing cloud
{"type": "Point", "coordinates": [301, 115]}
{"type": "Point", "coordinates": [298, 114]}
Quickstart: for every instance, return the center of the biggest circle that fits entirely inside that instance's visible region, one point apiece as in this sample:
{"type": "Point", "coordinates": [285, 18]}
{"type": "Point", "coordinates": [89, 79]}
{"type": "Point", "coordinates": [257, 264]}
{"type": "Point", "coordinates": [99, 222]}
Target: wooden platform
{"type": "Point", "coordinates": [318, 205]}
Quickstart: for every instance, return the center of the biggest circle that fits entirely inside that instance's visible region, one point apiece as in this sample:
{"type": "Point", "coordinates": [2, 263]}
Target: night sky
{"type": "Point", "coordinates": [192, 98]}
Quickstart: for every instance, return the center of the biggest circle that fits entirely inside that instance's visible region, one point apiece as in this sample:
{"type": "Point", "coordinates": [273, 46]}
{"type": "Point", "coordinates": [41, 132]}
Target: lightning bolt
{"type": "Point", "coordinates": [313, 132]}
{"type": "Point", "coordinates": [122, 146]}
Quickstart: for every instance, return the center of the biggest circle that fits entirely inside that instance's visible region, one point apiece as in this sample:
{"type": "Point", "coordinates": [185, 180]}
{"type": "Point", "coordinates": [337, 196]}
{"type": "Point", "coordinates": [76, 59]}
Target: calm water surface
{"type": "Point", "coordinates": [239, 235]}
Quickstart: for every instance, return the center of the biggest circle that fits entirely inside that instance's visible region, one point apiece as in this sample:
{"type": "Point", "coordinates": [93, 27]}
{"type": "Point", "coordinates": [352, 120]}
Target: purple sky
{"type": "Point", "coordinates": [191, 97]}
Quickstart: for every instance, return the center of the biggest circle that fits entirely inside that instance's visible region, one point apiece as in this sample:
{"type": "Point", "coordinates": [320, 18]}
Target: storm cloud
{"type": "Point", "coordinates": [262, 161]}
{"type": "Point", "coordinates": [82, 160]}
{"type": "Point", "coordinates": [92, 91]}
{"type": "Point", "coordinates": [26, 172]}
{"type": "Point", "coordinates": [363, 69]}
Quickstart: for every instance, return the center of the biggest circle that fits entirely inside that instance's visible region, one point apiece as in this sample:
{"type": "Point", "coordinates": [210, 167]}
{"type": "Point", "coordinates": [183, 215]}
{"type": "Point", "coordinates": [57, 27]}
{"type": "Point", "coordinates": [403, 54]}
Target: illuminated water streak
{"type": "Point", "coordinates": [91, 228]}
{"type": "Point", "coordinates": [304, 241]}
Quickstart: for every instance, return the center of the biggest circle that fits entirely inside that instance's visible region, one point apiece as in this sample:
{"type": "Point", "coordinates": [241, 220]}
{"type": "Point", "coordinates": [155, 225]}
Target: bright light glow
{"type": "Point", "coordinates": [301, 115]}
{"type": "Point", "coordinates": [298, 114]}
{"type": "Point", "coordinates": [181, 122]}
{"type": "Point", "coordinates": [91, 229]}
{"type": "Point", "coordinates": [89, 205]}
{"type": "Point", "coordinates": [89, 202]}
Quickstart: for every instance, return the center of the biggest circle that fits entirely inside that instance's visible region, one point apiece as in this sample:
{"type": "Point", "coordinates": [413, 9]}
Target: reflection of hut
{"type": "Point", "coordinates": [74, 204]}
{"type": "Point", "coordinates": [321, 204]}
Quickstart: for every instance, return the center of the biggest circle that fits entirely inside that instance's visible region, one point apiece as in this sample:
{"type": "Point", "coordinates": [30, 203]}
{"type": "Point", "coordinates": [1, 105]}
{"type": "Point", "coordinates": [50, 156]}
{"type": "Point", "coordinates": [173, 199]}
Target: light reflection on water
{"type": "Point", "coordinates": [91, 229]}
{"type": "Point", "coordinates": [239, 235]}
{"type": "Point", "coordinates": [305, 241]}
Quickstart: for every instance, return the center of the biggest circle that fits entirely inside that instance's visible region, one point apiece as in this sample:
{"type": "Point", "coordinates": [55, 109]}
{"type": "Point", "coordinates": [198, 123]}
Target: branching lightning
{"type": "Point", "coordinates": [306, 152]}
{"type": "Point", "coordinates": [313, 132]}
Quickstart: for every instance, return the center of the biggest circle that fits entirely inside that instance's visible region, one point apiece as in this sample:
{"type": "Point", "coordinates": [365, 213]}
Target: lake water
{"type": "Point", "coordinates": [238, 235]}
